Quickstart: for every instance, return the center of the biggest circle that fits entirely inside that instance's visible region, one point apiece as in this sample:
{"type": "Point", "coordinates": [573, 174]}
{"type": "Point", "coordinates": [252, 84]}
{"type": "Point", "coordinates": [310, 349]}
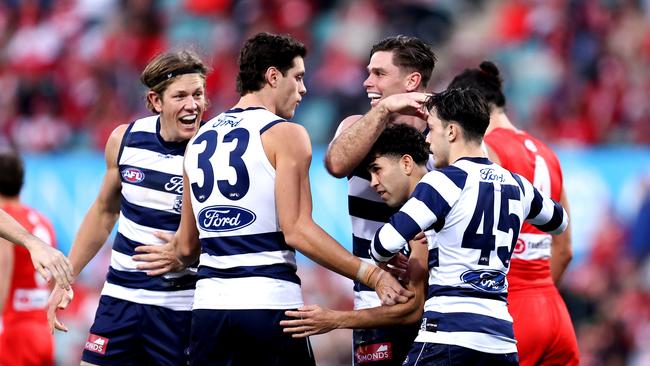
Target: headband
{"type": "Point", "coordinates": [174, 73]}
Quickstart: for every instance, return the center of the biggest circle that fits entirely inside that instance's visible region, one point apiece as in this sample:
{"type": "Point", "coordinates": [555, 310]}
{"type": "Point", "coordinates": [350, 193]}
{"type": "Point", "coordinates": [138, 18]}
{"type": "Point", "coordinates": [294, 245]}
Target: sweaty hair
{"type": "Point", "coordinates": [13, 173]}
{"type": "Point", "coordinates": [409, 53]}
{"type": "Point", "coordinates": [163, 69]}
{"type": "Point", "coordinates": [467, 107]}
{"type": "Point", "coordinates": [262, 51]}
{"type": "Point", "coordinates": [485, 79]}
{"type": "Point", "coordinates": [398, 140]}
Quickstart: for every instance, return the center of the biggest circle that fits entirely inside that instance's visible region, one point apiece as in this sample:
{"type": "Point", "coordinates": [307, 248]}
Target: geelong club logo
{"type": "Point", "coordinates": [489, 280]}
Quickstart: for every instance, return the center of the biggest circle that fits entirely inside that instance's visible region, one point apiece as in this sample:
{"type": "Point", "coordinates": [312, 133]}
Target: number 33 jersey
{"type": "Point", "coordinates": [245, 262]}
{"type": "Point", "coordinates": [471, 213]}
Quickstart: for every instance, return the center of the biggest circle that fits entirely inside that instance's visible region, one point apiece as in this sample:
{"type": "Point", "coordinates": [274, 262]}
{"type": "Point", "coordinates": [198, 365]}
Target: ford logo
{"type": "Point", "coordinates": [133, 175]}
{"type": "Point", "coordinates": [489, 280]}
{"type": "Point", "coordinates": [225, 218]}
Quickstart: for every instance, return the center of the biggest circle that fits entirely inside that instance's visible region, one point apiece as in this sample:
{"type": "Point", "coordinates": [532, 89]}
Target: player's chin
{"type": "Point", "coordinates": [187, 131]}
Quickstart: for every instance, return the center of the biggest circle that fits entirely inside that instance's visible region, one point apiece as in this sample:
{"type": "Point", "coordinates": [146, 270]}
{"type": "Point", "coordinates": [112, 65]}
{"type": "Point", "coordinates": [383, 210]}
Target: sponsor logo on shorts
{"type": "Point", "coordinates": [133, 175]}
{"type": "Point", "coordinates": [489, 280]}
{"type": "Point", "coordinates": [373, 353]}
{"type": "Point", "coordinates": [225, 218]}
{"type": "Point", "coordinates": [520, 246]}
{"type": "Point", "coordinates": [96, 344]}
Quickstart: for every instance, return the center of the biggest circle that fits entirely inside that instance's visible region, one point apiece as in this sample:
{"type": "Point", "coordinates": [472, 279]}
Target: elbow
{"type": "Point", "coordinates": [335, 168]}
{"type": "Point", "coordinates": [414, 315]}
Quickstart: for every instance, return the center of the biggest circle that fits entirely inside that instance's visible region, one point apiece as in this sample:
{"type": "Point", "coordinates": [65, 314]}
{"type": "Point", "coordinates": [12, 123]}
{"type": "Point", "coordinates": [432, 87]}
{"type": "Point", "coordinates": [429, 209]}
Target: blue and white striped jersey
{"type": "Point", "coordinates": [245, 262]}
{"type": "Point", "coordinates": [152, 188]}
{"type": "Point", "coordinates": [471, 213]}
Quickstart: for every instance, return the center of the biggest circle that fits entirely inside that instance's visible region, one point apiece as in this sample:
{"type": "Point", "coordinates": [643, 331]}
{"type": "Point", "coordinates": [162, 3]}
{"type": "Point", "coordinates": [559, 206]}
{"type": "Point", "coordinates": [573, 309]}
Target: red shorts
{"type": "Point", "coordinates": [543, 328]}
{"type": "Point", "coordinates": [26, 343]}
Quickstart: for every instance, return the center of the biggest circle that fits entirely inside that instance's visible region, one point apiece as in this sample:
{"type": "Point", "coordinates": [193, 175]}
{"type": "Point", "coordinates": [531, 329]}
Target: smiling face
{"type": "Point", "coordinates": [389, 178]}
{"type": "Point", "coordinates": [384, 77]}
{"type": "Point", "coordinates": [290, 89]}
{"type": "Point", "coordinates": [181, 107]}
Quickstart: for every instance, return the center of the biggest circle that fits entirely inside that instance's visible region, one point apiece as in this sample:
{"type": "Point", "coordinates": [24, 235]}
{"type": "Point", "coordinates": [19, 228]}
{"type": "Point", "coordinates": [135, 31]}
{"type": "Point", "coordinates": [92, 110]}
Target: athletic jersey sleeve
{"type": "Point", "coordinates": [430, 202]}
{"type": "Point", "coordinates": [541, 211]}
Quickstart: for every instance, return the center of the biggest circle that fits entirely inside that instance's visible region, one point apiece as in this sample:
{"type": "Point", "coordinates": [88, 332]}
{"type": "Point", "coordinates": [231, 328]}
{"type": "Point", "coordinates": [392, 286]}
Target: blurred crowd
{"type": "Point", "coordinates": [576, 72]}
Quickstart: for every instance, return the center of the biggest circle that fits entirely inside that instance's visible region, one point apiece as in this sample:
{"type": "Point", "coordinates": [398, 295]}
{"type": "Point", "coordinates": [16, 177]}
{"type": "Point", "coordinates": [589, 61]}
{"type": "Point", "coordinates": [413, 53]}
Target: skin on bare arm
{"type": "Point", "coordinates": [188, 247]}
{"type": "Point", "coordinates": [561, 251]}
{"type": "Point", "coordinates": [355, 136]}
{"type": "Point", "coordinates": [95, 227]}
{"type": "Point", "coordinates": [6, 270]}
{"type": "Point", "coordinates": [48, 261]}
{"type": "Point", "coordinates": [294, 208]}
{"type": "Point", "coordinates": [313, 319]}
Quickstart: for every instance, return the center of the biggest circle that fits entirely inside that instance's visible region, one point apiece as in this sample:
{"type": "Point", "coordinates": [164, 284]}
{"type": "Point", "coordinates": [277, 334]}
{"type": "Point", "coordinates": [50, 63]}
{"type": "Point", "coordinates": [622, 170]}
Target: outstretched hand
{"type": "Point", "coordinates": [310, 320]}
{"type": "Point", "coordinates": [50, 263]}
{"type": "Point", "coordinates": [59, 300]}
{"type": "Point", "coordinates": [158, 259]}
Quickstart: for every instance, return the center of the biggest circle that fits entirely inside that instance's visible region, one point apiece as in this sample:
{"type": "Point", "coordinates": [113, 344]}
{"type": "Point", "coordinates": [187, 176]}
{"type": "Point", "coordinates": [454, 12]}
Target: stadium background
{"type": "Point", "coordinates": [577, 74]}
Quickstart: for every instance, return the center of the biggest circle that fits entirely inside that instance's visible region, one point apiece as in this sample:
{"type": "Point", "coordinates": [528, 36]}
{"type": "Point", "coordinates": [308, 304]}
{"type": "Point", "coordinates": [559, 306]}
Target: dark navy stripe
{"type": "Point", "coordinates": [244, 244]}
{"type": "Point", "coordinates": [153, 179]}
{"type": "Point", "coordinates": [150, 141]}
{"type": "Point", "coordinates": [405, 225]}
{"type": "Point", "coordinates": [433, 258]}
{"type": "Point", "coordinates": [519, 182]}
{"type": "Point", "coordinates": [536, 205]}
{"type": "Point", "coordinates": [436, 290]}
{"type": "Point", "coordinates": [150, 217]}
{"type": "Point", "coordinates": [360, 247]}
{"type": "Point", "coordinates": [379, 248]}
{"type": "Point", "coordinates": [140, 280]}
{"type": "Point", "coordinates": [125, 245]}
{"type": "Point", "coordinates": [278, 271]}
{"type": "Point", "coordinates": [370, 210]}
{"type": "Point", "coordinates": [358, 287]}
{"type": "Point", "coordinates": [457, 175]}
{"type": "Point", "coordinates": [432, 199]}
{"type": "Point", "coordinates": [477, 160]}
{"type": "Point", "coordinates": [239, 110]}
{"type": "Point", "coordinates": [438, 225]}
{"type": "Point", "coordinates": [556, 220]}
{"type": "Point", "coordinates": [271, 124]}
{"type": "Point", "coordinates": [470, 322]}
{"type": "Point", "coordinates": [124, 141]}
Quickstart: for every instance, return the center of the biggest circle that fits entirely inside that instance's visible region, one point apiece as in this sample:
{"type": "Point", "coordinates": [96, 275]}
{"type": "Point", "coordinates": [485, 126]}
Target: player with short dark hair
{"type": "Point", "coordinates": [539, 259]}
{"type": "Point", "coordinates": [25, 337]}
{"type": "Point", "coordinates": [471, 211]}
{"type": "Point", "coordinates": [248, 209]}
{"type": "Point", "coordinates": [398, 64]}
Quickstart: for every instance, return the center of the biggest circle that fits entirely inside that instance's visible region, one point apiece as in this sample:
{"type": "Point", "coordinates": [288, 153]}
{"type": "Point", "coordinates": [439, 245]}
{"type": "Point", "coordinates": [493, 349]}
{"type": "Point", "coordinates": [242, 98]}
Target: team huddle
{"type": "Point", "coordinates": [452, 208]}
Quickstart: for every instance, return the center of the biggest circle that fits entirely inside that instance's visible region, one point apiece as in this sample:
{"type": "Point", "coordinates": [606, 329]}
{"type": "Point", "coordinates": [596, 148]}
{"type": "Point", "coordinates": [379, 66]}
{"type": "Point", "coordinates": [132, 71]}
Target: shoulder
{"type": "Point", "coordinates": [347, 122]}
{"type": "Point", "coordinates": [287, 136]}
{"type": "Point", "coordinates": [114, 142]}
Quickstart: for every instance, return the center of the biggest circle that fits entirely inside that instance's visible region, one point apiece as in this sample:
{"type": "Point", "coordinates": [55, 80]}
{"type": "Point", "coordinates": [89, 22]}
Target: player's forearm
{"type": "Point", "coordinates": [561, 255]}
{"type": "Point", "coordinates": [352, 145]}
{"type": "Point", "coordinates": [12, 231]}
{"type": "Point", "coordinates": [93, 233]}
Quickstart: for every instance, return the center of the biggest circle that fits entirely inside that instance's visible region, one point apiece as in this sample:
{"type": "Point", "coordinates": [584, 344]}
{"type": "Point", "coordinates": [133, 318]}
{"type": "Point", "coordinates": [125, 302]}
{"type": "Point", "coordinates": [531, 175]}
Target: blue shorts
{"type": "Point", "coordinates": [245, 337]}
{"type": "Point", "coordinates": [435, 354]}
{"type": "Point", "coordinates": [383, 346]}
{"type": "Point", "coordinates": [127, 333]}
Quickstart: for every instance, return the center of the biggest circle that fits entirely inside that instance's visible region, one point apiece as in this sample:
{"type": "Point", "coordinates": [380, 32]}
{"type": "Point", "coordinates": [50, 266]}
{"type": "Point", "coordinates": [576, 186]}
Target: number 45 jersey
{"type": "Point", "coordinates": [471, 213]}
{"type": "Point", "coordinates": [245, 262]}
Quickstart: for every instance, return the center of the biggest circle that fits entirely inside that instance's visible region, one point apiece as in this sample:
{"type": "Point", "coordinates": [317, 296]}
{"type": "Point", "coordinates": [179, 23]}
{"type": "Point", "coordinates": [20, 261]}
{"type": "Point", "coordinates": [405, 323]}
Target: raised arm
{"type": "Point", "coordinates": [356, 135]}
{"type": "Point", "coordinates": [294, 208]}
{"type": "Point", "coordinates": [313, 319]}
{"type": "Point", "coordinates": [561, 250]}
{"type": "Point", "coordinates": [49, 262]}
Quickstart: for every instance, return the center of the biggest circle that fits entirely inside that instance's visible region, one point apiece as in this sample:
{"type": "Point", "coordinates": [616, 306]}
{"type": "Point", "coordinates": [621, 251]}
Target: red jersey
{"type": "Point", "coordinates": [529, 157]}
{"type": "Point", "coordinates": [28, 291]}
